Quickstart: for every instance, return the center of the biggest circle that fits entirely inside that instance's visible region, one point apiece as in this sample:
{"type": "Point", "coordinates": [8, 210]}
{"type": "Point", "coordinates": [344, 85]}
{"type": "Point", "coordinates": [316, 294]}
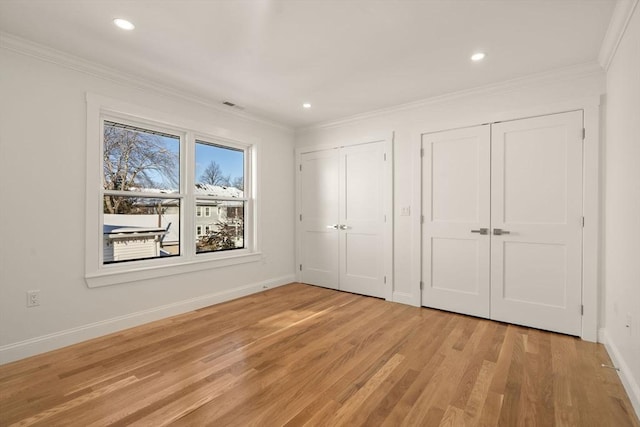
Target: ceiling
{"type": "Point", "coordinates": [343, 56]}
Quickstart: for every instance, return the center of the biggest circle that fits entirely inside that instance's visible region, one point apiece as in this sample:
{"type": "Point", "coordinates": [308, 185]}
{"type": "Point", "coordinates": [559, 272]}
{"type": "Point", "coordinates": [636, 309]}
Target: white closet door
{"type": "Point", "coordinates": [537, 199]}
{"type": "Point", "coordinates": [362, 219]}
{"type": "Point", "coordinates": [319, 206]}
{"type": "Point", "coordinates": [456, 197]}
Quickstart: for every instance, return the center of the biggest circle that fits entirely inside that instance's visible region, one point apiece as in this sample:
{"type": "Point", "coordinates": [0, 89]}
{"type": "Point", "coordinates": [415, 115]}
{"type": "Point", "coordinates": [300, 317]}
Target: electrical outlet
{"type": "Point", "coordinates": [33, 298]}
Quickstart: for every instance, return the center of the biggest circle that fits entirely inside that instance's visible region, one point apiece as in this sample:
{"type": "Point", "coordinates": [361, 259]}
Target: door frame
{"type": "Point", "coordinates": [591, 197]}
{"type": "Point", "coordinates": [387, 139]}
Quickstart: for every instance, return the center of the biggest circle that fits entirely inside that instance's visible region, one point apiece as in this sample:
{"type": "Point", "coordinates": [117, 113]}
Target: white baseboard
{"type": "Point", "coordinates": [630, 384]}
{"type": "Point", "coordinates": [44, 343]}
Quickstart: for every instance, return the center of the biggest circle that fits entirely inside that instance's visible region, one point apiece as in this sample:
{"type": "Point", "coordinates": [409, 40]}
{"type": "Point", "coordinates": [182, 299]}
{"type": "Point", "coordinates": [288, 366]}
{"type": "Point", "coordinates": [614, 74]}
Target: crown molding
{"type": "Point", "coordinates": [617, 26]}
{"type": "Point", "coordinates": [45, 53]}
{"type": "Point", "coordinates": [560, 74]}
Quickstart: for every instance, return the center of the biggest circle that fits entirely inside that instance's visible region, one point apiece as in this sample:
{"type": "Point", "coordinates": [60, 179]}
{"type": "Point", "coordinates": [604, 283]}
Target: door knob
{"type": "Point", "coordinates": [334, 226]}
{"type": "Point", "coordinates": [499, 232]}
{"type": "Point", "coordinates": [483, 231]}
{"type": "Point", "coordinates": [344, 227]}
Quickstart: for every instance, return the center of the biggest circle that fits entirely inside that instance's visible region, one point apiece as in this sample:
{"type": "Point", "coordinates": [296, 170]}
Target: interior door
{"type": "Point", "coordinates": [362, 219]}
{"type": "Point", "coordinates": [456, 208]}
{"type": "Point", "coordinates": [536, 221]}
{"type": "Point", "coordinates": [320, 215]}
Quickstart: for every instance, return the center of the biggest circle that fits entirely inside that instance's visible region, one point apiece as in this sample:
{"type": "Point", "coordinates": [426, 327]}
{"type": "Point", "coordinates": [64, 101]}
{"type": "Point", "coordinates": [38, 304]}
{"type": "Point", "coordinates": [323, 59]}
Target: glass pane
{"type": "Point", "coordinates": [223, 229]}
{"type": "Point", "coordinates": [219, 170]}
{"type": "Point", "coordinates": [138, 228]}
{"type": "Point", "coordinates": [136, 159]}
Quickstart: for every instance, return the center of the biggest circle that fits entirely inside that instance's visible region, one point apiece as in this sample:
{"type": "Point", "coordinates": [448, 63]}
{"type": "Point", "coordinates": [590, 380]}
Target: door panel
{"type": "Point", "coordinates": [456, 185]}
{"type": "Point", "coordinates": [319, 208]}
{"type": "Point", "coordinates": [362, 218]}
{"type": "Point", "coordinates": [537, 197]}
{"type": "Point", "coordinates": [344, 233]}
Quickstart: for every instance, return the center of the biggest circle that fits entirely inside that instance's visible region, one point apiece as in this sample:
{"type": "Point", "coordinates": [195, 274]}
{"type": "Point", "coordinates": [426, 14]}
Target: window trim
{"type": "Point", "coordinates": [97, 273]}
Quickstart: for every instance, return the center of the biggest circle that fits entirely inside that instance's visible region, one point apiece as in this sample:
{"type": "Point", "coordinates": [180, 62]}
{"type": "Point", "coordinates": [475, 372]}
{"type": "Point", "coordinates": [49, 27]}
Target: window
{"type": "Point", "coordinates": [141, 178]}
{"type": "Point", "coordinates": [219, 178]}
{"type": "Point", "coordinates": [167, 200]}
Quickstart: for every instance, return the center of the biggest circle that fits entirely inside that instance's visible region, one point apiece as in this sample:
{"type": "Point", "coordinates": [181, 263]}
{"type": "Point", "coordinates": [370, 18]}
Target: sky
{"type": "Point", "coordinates": [231, 161]}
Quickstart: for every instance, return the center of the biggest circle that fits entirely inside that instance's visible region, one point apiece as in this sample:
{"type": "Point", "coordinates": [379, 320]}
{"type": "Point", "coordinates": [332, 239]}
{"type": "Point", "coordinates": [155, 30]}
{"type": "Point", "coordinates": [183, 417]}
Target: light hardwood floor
{"type": "Point", "coordinates": [299, 355]}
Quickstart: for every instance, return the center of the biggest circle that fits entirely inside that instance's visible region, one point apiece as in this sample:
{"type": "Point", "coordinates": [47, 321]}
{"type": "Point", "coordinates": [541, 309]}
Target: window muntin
{"type": "Point", "coordinates": [219, 179]}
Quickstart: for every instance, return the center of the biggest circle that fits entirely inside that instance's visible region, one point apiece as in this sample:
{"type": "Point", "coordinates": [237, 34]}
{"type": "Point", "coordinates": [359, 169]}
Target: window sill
{"type": "Point", "coordinates": [115, 277]}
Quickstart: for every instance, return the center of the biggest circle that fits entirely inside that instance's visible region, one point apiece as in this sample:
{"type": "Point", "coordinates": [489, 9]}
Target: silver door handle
{"type": "Point", "coordinates": [344, 227]}
{"type": "Point", "coordinates": [334, 226]}
{"type": "Point", "coordinates": [483, 231]}
{"type": "Point", "coordinates": [500, 232]}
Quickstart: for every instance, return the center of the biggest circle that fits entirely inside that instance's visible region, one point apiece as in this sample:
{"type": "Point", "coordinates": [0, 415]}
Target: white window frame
{"type": "Point", "coordinates": [97, 273]}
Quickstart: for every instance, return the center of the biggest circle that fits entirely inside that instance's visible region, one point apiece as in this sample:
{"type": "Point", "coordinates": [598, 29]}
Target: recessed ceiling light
{"type": "Point", "coordinates": [479, 56]}
{"type": "Point", "coordinates": [306, 105]}
{"type": "Point", "coordinates": [124, 24]}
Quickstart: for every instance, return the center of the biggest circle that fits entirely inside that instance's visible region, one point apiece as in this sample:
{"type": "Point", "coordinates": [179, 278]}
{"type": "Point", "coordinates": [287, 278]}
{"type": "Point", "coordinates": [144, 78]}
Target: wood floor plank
{"type": "Point", "coordinates": [303, 355]}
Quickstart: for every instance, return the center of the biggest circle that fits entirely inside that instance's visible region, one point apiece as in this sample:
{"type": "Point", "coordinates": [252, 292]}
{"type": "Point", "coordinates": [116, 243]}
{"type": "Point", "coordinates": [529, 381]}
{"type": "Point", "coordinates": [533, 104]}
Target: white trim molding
{"type": "Point", "coordinates": [45, 53]}
{"type": "Point", "coordinates": [630, 385]}
{"type": "Point", "coordinates": [570, 73]}
{"type": "Point", "coordinates": [617, 26]}
{"type": "Point", "coordinates": [56, 340]}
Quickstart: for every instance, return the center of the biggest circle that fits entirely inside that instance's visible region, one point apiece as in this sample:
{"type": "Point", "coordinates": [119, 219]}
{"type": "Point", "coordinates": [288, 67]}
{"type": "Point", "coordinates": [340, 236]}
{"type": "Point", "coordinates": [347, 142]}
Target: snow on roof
{"type": "Point", "coordinates": [217, 190]}
{"type": "Point", "coordinates": [201, 189]}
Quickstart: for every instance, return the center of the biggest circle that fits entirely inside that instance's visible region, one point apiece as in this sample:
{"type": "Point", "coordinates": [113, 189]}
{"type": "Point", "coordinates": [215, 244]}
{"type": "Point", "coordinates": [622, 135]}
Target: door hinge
{"type": "Point", "coordinates": [300, 267]}
{"type": "Point", "coordinates": [421, 286]}
{"type": "Point", "coordinates": [385, 218]}
{"type": "Point", "coordinates": [300, 168]}
{"type": "Point", "coordinates": [300, 217]}
{"type": "Point", "coordinates": [582, 222]}
{"type": "Point", "coordinates": [582, 310]}
{"type": "Point", "coordinates": [584, 133]}
{"type": "Point", "coordinates": [385, 279]}
{"type": "Point", "coordinates": [385, 157]}
{"type": "Point", "coordinates": [421, 219]}
{"type": "Point", "coordinates": [422, 152]}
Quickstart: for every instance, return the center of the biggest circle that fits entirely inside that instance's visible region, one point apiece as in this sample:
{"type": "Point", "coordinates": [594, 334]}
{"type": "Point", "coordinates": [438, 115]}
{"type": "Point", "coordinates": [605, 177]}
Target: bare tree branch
{"type": "Point", "coordinates": [213, 175]}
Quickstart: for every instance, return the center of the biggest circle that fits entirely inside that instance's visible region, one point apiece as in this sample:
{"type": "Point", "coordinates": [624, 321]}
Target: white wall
{"type": "Point", "coordinates": [42, 217]}
{"type": "Point", "coordinates": [622, 208]}
{"type": "Point", "coordinates": [541, 94]}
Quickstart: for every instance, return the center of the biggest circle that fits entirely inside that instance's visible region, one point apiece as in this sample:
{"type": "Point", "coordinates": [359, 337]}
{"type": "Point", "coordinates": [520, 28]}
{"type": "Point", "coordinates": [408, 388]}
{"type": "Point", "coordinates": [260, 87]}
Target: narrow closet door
{"type": "Point", "coordinates": [455, 233]}
{"type": "Point", "coordinates": [537, 222]}
{"type": "Point", "coordinates": [362, 219]}
{"type": "Point", "coordinates": [319, 196]}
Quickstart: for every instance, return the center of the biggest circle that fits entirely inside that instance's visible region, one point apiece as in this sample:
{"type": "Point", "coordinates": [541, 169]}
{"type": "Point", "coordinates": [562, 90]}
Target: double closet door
{"type": "Point", "coordinates": [502, 230]}
{"type": "Point", "coordinates": [345, 223]}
